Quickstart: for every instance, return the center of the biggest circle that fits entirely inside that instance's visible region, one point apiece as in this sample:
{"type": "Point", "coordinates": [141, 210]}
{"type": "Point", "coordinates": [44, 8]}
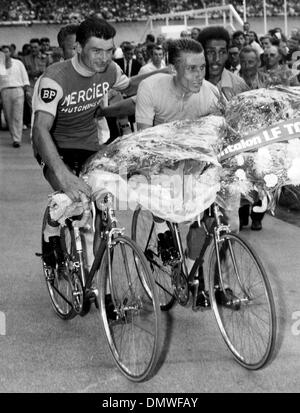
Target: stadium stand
{"type": "Point", "coordinates": [66, 11]}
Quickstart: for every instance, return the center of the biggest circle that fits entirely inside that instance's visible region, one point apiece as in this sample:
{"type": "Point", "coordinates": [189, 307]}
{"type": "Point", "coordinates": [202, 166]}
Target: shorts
{"type": "Point", "coordinates": [73, 158]}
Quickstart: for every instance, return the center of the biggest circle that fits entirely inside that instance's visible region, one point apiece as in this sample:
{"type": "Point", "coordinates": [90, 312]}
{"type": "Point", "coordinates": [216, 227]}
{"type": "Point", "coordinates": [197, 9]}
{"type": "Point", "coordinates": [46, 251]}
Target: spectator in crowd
{"type": "Point", "coordinates": [13, 51]}
{"type": "Point", "coordinates": [266, 41]}
{"type": "Point", "coordinates": [160, 39]}
{"type": "Point", "coordinates": [128, 64]}
{"type": "Point", "coordinates": [13, 84]}
{"type": "Point", "coordinates": [66, 39]}
{"type": "Point", "coordinates": [250, 63]}
{"type": "Point", "coordinates": [233, 61]}
{"type": "Point", "coordinates": [118, 53]}
{"type": "Point", "coordinates": [216, 40]}
{"type": "Point", "coordinates": [35, 64]}
{"type": "Point", "coordinates": [130, 67]}
{"type": "Point", "coordinates": [150, 38]}
{"type": "Point", "coordinates": [279, 74]}
{"type": "Point", "coordinates": [293, 45]}
{"type": "Point", "coordinates": [277, 34]}
{"type": "Point", "coordinates": [45, 46]}
{"type": "Point", "coordinates": [195, 33]}
{"type": "Point", "coordinates": [156, 61]}
{"type": "Point", "coordinates": [255, 79]}
{"type": "Point", "coordinates": [246, 27]}
{"type": "Point", "coordinates": [184, 34]}
{"type": "Point", "coordinates": [254, 42]}
{"type": "Point", "coordinates": [26, 50]}
{"type": "Point", "coordinates": [239, 38]}
{"type": "Point", "coordinates": [140, 55]}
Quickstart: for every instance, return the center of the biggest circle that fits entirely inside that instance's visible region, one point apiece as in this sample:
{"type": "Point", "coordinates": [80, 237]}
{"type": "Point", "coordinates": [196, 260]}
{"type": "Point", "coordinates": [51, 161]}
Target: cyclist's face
{"type": "Point", "coordinates": [191, 71]}
{"type": "Point", "coordinates": [97, 53]}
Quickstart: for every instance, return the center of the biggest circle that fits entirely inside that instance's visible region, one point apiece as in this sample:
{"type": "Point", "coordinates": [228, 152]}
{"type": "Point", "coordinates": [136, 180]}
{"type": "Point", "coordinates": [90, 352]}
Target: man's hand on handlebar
{"type": "Point", "coordinates": [75, 187]}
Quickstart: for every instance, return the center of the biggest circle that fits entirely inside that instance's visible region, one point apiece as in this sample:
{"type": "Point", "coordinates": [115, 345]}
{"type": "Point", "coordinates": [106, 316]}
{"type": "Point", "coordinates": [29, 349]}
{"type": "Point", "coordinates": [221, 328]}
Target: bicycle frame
{"type": "Point", "coordinates": [212, 234]}
{"type": "Point", "coordinates": [105, 228]}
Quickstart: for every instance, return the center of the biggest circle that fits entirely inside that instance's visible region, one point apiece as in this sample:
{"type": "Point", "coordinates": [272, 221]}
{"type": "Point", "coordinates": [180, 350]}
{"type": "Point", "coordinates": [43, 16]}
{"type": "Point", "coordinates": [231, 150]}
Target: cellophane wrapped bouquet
{"type": "Point", "coordinates": [170, 169]}
{"type": "Point", "coordinates": [267, 168]}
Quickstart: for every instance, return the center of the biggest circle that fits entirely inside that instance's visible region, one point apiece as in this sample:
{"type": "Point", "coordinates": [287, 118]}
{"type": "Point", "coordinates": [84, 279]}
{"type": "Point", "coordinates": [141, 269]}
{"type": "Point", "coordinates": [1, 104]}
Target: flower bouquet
{"type": "Point", "coordinates": [261, 150]}
{"type": "Point", "coordinates": [170, 169]}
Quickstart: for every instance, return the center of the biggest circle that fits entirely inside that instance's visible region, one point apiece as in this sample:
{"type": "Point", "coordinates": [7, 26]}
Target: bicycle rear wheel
{"type": "Point", "coordinates": [144, 233]}
{"type": "Point", "coordinates": [242, 301]}
{"type": "Point", "coordinates": [132, 320]}
{"type": "Point", "coordinates": [57, 282]}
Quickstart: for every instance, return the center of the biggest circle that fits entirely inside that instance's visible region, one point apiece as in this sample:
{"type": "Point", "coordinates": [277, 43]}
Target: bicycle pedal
{"type": "Point", "coordinates": [38, 254]}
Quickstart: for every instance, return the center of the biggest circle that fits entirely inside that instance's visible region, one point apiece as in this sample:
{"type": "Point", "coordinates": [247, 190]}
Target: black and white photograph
{"type": "Point", "coordinates": [149, 201]}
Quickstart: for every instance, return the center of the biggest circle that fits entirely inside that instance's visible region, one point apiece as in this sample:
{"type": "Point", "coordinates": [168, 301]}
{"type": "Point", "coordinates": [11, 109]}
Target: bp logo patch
{"type": "Point", "coordinates": [48, 94]}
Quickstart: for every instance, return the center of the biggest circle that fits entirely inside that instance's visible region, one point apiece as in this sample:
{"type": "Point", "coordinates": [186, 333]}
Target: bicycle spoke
{"type": "Point", "coordinates": [248, 327]}
{"type": "Point", "coordinates": [133, 336]}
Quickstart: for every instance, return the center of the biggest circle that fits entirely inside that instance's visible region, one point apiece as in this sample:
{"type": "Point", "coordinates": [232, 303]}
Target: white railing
{"type": "Point", "coordinates": [231, 17]}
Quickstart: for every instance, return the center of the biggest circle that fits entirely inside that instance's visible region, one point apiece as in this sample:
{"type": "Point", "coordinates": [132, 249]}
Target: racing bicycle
{"type": "Point", "coordinates": [119, 283]}
{"type": "Point", "coordinates": [239, 290]}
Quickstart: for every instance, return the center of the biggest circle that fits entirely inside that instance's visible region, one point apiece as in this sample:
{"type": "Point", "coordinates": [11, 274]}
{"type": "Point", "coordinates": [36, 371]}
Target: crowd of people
{"type": "Point", "coordinates": [260, 62]}
{"type": "Point", "coordinates": [62, 11]}
{"type": "Point", "coordinates": [97, 86]}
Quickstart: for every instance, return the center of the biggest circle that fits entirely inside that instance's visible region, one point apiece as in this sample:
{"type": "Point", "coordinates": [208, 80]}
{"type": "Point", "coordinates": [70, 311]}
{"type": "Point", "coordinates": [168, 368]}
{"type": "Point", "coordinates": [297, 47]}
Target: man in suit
{"type": "Point", "coordinates": [128, 64]}
{"type": "Point", "coordinates": [130, 67]}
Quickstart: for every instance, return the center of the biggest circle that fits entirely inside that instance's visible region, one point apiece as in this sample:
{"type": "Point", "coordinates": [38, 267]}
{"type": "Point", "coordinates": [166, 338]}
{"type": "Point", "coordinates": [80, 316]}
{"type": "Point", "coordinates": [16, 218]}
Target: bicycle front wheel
{"type": "Point", "coordinates": [242, 301]}
{"type": "Point", "coordinates": [144, 233]}
{"type": "Point", "coordinates": [130, 309]}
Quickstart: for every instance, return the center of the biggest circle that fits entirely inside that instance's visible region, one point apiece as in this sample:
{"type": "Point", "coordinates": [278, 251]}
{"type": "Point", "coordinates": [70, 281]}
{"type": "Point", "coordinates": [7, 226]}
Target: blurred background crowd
{"type": "Point", "coordinates": [62, 11]}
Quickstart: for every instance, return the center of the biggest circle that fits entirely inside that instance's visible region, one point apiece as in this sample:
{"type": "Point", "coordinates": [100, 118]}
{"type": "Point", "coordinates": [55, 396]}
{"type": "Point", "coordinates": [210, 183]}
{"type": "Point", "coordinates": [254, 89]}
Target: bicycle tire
{"type": "Point", "coordinates": [248, 322]}
{"type": "Point", "coordinates": [133, 328]}
{"type": "Point", "coordinates": [58, 286]}
{"type": "Point", "coordinates": [144, 234]}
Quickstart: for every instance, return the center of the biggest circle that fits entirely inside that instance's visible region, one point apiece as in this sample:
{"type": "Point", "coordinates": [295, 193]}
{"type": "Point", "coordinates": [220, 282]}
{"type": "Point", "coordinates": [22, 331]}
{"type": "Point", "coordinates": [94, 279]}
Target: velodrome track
{"type": "Point", "coordinates": [41, 353]}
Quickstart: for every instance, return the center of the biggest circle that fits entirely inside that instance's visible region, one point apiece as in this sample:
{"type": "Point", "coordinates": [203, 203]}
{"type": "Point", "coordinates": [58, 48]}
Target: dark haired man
{"type": "Point", "coordinates": [128, 63]}
{"type": "Point", "coordinates": [66, 39]}
{"type": "Point", "coordinates": [45, 46]}
{"type": "Point", "coordinates": [215, 41]}
{"type": "Point", "coordinates": [35, 63]}
{"type": "Point", "coordinates": [183, 95]}
{"type": "Point", "coordinates": [156, 60]}
{"type": "Point", "coordinates": [64, 131]}
{"type": "Point", "coordinates": [233, 61]}
{"type": "Point", "coordinates": [239, 38]}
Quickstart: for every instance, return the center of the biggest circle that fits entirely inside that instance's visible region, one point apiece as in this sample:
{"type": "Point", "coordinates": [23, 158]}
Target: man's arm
{"type": "Point", "coordinates": [125, 107]}
{"type": "Point", "coordinates": [134, 81]}
{"type": "Point", "coordinates": [62, 178]}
